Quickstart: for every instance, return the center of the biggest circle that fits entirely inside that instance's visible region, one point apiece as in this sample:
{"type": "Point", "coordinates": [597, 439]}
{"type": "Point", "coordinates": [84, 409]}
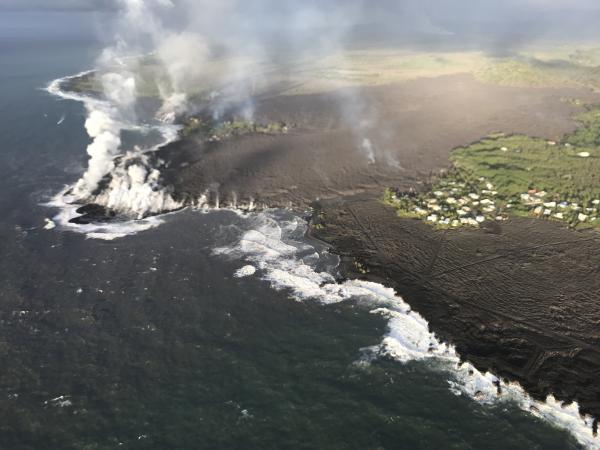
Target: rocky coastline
{"type": "Point", "coordinates": [517, 298]}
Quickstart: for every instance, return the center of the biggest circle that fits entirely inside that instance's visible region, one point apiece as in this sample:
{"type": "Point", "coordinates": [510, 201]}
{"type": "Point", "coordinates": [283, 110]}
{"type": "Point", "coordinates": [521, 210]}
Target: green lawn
{"type": "Point", "coordinates": [501, 176]}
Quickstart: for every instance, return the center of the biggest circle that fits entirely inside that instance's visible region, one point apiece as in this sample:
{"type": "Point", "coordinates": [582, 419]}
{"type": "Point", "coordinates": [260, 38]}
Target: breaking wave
{"type": "Point", "coordinates": [275, 250]}
{"type": "Point", "coordinates": [272, 246]}
{"type": "Point", "coordinates": [133, 190]}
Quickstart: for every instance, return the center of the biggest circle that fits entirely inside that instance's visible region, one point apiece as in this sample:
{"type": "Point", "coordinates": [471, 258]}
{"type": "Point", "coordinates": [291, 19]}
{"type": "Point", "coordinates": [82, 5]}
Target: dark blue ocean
{"type": "Point", "coordinates": [150, 342]}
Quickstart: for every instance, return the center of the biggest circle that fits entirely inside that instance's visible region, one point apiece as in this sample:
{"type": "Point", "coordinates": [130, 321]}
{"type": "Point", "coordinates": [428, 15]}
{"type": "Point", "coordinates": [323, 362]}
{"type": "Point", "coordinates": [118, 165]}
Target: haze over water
{"type": "Point", "coordinates": [150, 342]}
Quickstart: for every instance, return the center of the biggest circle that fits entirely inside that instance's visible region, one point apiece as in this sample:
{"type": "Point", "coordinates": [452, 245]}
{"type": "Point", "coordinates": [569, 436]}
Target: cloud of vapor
{"type": "Point", "coordinates": [182, 36]}
{"type": "Point", "coordinates": [107, 118]}
{"type": "Point", "coordinates": [183, 57]}
{"type": "Point", "coordinates": [58, 5]}
{"type": "Point", "coordinates": [185, 34]}
{"type": "Point", "coordinates": [187, 39]}
{"type": "Point", "coordinates": [444, 5]}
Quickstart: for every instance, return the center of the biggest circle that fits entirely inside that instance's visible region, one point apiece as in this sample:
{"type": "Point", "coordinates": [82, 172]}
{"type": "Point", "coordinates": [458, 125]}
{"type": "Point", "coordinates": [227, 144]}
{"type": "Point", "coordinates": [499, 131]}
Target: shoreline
{"type": "Point", "coordinates": [514, 348]}
{"type": "Point", "coordinates": [328, 154]}
{"type": "Point", "coordinates": [198, 169]}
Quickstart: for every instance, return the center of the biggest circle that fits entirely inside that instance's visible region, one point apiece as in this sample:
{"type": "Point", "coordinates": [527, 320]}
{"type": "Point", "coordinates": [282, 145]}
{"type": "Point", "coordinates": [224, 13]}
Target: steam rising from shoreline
{"type": "Point", "coordinates": [174, 50]}
{"type": "Point", "coordinates": [181, 39]}
{"type": "Point", "coordinates": [108, 117]}
{"type": "Point", "coordinates": [154, 27]}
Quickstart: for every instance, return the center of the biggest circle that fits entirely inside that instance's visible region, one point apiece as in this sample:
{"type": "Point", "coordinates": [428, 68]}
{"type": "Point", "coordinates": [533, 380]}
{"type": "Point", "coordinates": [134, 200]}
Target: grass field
{"type": "Point", "coordinates": [502, 176]}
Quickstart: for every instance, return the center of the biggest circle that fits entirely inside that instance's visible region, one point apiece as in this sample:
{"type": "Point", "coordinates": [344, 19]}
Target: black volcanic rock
{"type": "Point", "coordinates": [522, 302]}
{"type": "Point", "coordinates": [92, 213]}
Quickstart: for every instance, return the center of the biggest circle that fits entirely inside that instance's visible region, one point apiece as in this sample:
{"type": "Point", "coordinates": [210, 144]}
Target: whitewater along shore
{"type": "Point", "coordinates": [519, 298]}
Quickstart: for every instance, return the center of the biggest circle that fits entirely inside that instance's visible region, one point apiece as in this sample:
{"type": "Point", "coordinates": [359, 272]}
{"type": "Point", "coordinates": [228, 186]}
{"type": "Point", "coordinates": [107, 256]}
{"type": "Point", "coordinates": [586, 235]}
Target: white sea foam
{"type": "Point", "coordinates": [50, 225]}
{"type": "Point", "coordinates": [245, 271]}
{"type": "Point", "coordinates": [134, 190]}
{"type": "Point", "coordinates": [105, 231]}
{"type": "Point", "coordinates": [60, 402]}
{"type": "Point", "coordinates": [275, 250]}
{"type": "Point", "coordinates": [274, 247]}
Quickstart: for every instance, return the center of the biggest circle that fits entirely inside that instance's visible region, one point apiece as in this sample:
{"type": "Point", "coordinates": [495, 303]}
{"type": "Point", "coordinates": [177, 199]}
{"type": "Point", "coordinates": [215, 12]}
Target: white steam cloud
{"type": "Point", "coordinates": [133, 188]}
{"type": "Point", "coordinates": [104, 126]}
{"type": "Point", "coordinates": [177, 49]}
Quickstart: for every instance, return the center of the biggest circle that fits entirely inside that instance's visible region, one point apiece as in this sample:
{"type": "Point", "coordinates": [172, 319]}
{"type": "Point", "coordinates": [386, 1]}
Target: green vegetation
{"type": "Point", "coordinates": [552, 66]}
{"type": "Point", "coordinates": [84, 84]}
{"type": "Point", "coordinates": [586, 57]}
{"type": "Point", "coordinates": [516, 72]}
{"type": "Point", "coordinates": [360, 267]}
{"type": "Point", "coordinates": [502, 176]}
{"type": "Point", "coordinates": [218, 131]}
{"type": "Point", "coordinates": [539, 73]}
{"type": "Point", "coordinates": [587, 136]}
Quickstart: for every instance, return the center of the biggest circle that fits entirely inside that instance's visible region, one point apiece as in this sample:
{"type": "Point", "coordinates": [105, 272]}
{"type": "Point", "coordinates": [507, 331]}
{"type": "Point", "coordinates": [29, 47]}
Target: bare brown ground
{"type": "Point", "coordinates": [413, 126]}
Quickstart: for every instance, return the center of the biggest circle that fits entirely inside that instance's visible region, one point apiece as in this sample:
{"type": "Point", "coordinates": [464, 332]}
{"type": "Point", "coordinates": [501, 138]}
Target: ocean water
{"type": "Point", "coordinates": [211, 331]}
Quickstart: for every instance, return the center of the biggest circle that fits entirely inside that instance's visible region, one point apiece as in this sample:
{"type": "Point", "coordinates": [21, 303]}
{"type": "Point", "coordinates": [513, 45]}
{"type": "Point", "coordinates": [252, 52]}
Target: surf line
{"type": "Point", "coordinates": [273, 249]}
{"type": "Point", "coordinates": [132, 189]}
{"type": "Point", "coordinates": [274, 255]}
